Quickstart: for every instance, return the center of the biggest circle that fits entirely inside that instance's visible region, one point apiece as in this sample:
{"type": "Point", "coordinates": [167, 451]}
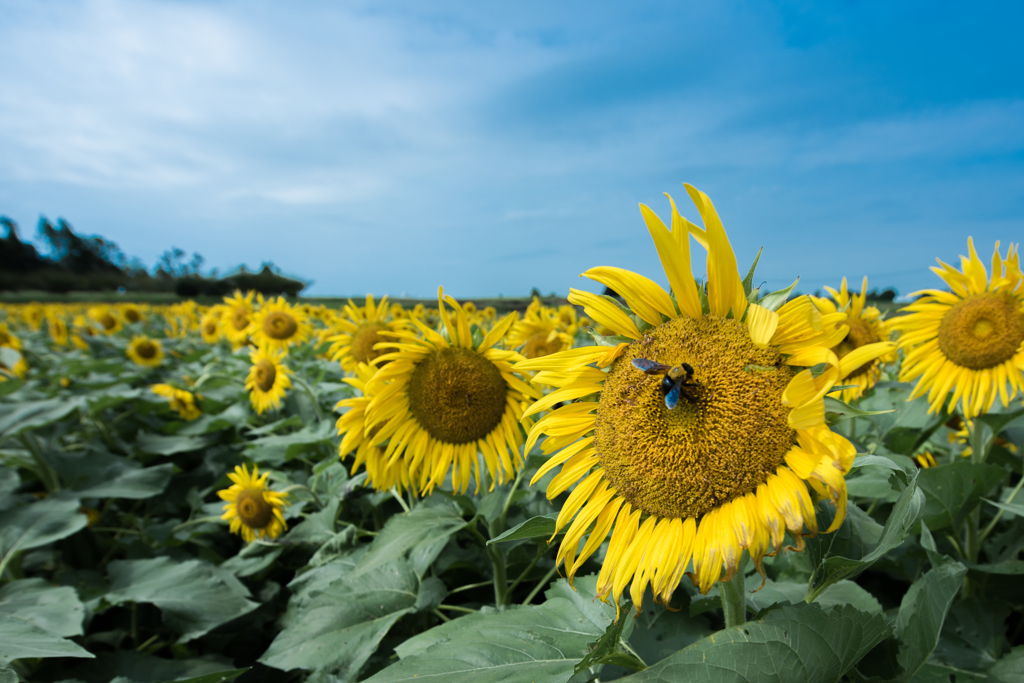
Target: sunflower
{"type": "Point", "coordinates": [253, 510]}
{"type": "Point", "coordinates": [267, 380]}
{"type": "Point", "coordinates": [383, 474]}
{"type": "Point", "coordinates": [133, 313]}
{"type": "Point", "coordinates": [360, 329]}
{"type": "Point", "coordinates": [925, 460]}
{"type": "Point", "coordinates": [58, 329]}
{"type": "Point", "coordinates": [278, 325]}
{"type": "Point", "coordinates": [182, 402]}
{"type": "Point", "coordinates": [866, 327]}
{"type": "Point", "coordinates": [107, 319]}
{"type": "Point", "coordinates": [145, 351]}
{"type": "Point", "coordinates": [210, 325]}
{"type": "Point", "coordinates": [235, 320]}
{"type": "Point", "coordinates": [970, 340]}
{"type": "Point", "coordinates": [440, 400]}
{"type": "Point", "coordinates": [728, 467]}
{"type": "Point", "coordinates": [541, 332]}
{"type": "Point", "coordinates": [8, 338]}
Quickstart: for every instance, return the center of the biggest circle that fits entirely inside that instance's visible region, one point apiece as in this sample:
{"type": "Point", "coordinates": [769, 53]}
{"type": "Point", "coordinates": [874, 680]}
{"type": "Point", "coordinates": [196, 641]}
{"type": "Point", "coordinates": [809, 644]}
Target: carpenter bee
{"type": "Point", "coordinates": [676, 377]}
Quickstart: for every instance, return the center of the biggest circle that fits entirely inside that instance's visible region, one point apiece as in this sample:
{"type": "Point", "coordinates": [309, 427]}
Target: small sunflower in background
{"type": "Point", "coordinates": [698, 435]}
{"type": "Point", "coordinates": [383, 473]}
{"type": "Point", "coordinates": [253, 510]}
{"type": "Point", "coordinates": [210, 325]}
{"type": "Point", "coordinates": [866, 327]}
{"type": "Point", "coordinates": [236, 318]}
{"type": "Point", "coordinates": [278, 325]}
{"type": "Point", "coordinates": [106, 319]}
{"type": "Point", "coordinates": [968, 340]}
{"type": "Point", "coordinates": [925, 460]}
{"type": "Point", "coordinates": [133, 313]}
{"type": "Point", "coordinates": [267, 379]}
{"type": "Point", "coordinates": [8, 338]}
{"type": "Point", "coordinates": [145, 351]}
{"type": "Point", "coordinates": [359, 330]}
{"type": "Point", "coordinates": [541, 332]}
{"type": "Point", "coordinates": [33, 316]}
{"type": "Point", "coordinates": [442, 399]}
{"type": "Point", "coordinates": [58, 329]}
{"type": "Point", "coordinates": [182, 402]}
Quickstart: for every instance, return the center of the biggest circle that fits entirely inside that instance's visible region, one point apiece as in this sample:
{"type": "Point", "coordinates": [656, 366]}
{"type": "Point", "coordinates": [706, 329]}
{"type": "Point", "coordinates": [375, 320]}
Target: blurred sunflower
{"type": "Point", "coordinates": [253, 510]}
{"type": "Point", "coordinates": [8, 338]}
{"type": "Point", "coordinates": [969, 340]}
{"type": "Point", "coordinates": [540, 332]}
{"type": "Point", "coordinates": [267, 379]}
{"type": "Point", "coordinates": [58, 329]}
{"type": "Point", "coordinates": [182, 402]}
{"type": "Point", "coordinates": [441, 400]}
{"type": "Point", "coordinates": [235, 320]}
{"type": "Point", "coordinates": [210, 325]}
{"type": "Point", "coordinates": [360, 330]}
{"type": "Point", "coordinates": [145, 351]}
{"type": "Point", "coordinates": [728, 467]}
{"type": "Point", "coordinates": [866, 327]}
{"type": "Point", "coordinates": [278, 325]}
{"type": "Point", "coordinates": [382, 473]}
{"type": "Point", "coordinates": [132, 313]}
{"type": "Point", "coordinates": [106, 318]}
{"type": "Point", "coordinates": [925, 460]}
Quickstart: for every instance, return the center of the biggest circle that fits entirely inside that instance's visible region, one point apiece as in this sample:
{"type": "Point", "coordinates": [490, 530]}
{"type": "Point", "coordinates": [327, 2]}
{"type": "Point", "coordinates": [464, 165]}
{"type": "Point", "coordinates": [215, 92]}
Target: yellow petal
{"type": "Point", "coordinates": [605, 312]}
{"type": "Point", "coordinates": [761, 324]}
{"type": "Point", "coordinates": [643, 296]}
{"type": "Point", "coordinates": [725, 288]}
{"type": "Point", "coordinates": [675, 259]}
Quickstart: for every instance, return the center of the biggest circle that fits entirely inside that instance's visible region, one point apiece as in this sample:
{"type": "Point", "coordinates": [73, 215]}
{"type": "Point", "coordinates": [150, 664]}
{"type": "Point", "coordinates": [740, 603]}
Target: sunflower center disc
{"type": "Point", "coordinates": [132, 316]}
{"type": "Point", "coordinates": [860, 334]}
{"type": "Point", "coordinates": [108, 322]}
{"type": "Point", "coordinates": [253, 510]}
{"type": "Point", "coordinates": [458, 395]}
{"type": "Point", "coordinates": [265, 375]}
{"type": "Point", "coordinates": [146, 350]}
{"type": "Point", "coordinates": [538, 345]}
{"type": "Point", "coordinates": [982, 331]}
{"type": "Point", "coordinates": [722, 439]}
{"type": "Point", "coordinates": [240, 318]}
{"type": "Point", "coordinates": [210, 328]}
{"type": "Point", "coordinates": [280, 325]}
{"type": "Point", "coordinates": [363, 341]}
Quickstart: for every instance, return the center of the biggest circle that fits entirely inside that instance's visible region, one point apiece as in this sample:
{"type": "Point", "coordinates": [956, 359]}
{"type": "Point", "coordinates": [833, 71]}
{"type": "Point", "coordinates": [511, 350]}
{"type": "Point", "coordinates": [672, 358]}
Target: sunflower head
{"type": "Point", "coordinates": [132, 313]}
{"type": "Point", "coordinates": [267, 380]}
{"type": "Point", "coordinates": [107, 319]}
{"type": "Point", "coordinates": [278, 325]}
{"type": "Point", "coordinates": [252, 509]}
{"type": "Point", "coordinates": [182, 402]}
{"type": "Point", "coordinates": [967, 341]}
{"type": "Point", "coordinates": [145, 351]}
{"type": "Point", "coordinates": [236, 317]}
{"type": "Point", "coordinates": [361, 330]}
{"type": "Point", "coordinates": [700, 431]}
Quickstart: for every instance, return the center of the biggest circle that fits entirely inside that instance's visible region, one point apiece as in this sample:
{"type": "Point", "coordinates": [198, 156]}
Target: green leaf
{"type": "Point", "coordinates": [193, 596]}
{"type": "Point", "coordinates": [775, 300]}
{"type": "Point", "coordinates": [953, 490]}
{"type": "Point", "coordinates": [1007, 568]}
{"type": "Point", "coordinates": [129, 665]}
{"type": "Point", "coordinates": [31, 526]}
{"type": "Point", "coordinates": [9, 386]}
{"type": "Point", "coordinates": [22, 415]}
{"type": "Point", "coordinates": [342, 627]}
{"type": "Point", "coordinates": [1009, 669]}
{"type": "Point", "coordinates": [923, 610]}
{"type": "Point", "coordinates": [837, 411]}
{"type": "Point", "coordinates": [906, 429]}
{"type": "Point", "coordinates": [535, 527]}
{"type": "Point", "coordinates": [134, 483]}
{"type": "Point", "coordinates": [836, 565]}
{"type": "Point", "coordinates": [999, 421]}
{"type": "Point", "coordinates": [748, 281]}
{"type": "Point", "coordinates": [20, 638]}
{"type": "Point", "coordinates": [608, 650]}
{"type": "Point", "coordinates": [158, 444]}
{"type": "Point", "coordinates": [842, 593]}
{"type": "Point", "coordinates": [788, 644]}
{"type": "Point", "coordinates": [541, 643]}
{"type": "Point", "coordinates": [424, 531]}
{"type": "Point", "coordinates": [252, 559]}
{"type": "Point", "coordinates": [431, 594]}
{"type": "Point", "coordinates": [8, 675]}
{"type": "Point", "coordinates": [278, 448]}
{"type": "Point", "coordinates": [1015, 508]}
{"type": "Point", "coordinates": [55, 609]}
{"type": "Point", "coordinates": [316, 528]}
{"type": "Point", "coordinates": [974, 634]}
{"type": "Point", "coordinates": [219, 677]}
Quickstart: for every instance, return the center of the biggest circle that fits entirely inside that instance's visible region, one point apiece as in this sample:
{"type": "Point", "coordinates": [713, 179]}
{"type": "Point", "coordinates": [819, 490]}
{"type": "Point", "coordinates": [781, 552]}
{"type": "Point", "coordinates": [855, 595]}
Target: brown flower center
{"type": "Point", "coordinates": [146, 350]}
{"type": "Point", "coordinates": [458, 395]}
{"type": "Point", "coordinates": [364, 339]}
{"type": "Point", "coordinates": [280, 325]}
{"type": "Point", "coordinates": [538, 344]}
{"type": "Point", "coordinates": [240, 318]}
{"type": "Point", "coordinates": [108, 321]}
{"type": "Point", "coordinates": [723, 438]}
{"type": "Point", "coordinates": [266, 373]}
{"type": "Point", "coordinates": [254, 511]}
{"type": "Point", "coordinates": [861, 333]}
{"type": "Point", "coordinates": [210, 328]}
{"type": "Point", "coordinates": [982, 331]}
{"type": "Point", "coordinates": [132, 315]}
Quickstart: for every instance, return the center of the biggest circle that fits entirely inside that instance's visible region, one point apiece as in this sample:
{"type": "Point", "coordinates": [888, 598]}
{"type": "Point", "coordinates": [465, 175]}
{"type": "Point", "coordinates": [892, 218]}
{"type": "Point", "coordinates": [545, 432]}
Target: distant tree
{"type": "Point", "coordinates": [17, 256]}
{"type": "Point", "coordinates": [79, 253]}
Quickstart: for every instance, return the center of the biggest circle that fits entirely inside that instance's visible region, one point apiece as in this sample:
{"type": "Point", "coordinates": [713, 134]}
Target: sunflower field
{"type": "Point", "coordinates": [705, 483]}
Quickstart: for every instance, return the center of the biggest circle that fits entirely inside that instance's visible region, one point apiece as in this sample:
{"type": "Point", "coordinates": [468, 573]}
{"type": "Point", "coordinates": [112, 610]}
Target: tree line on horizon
{"type": "Point", "coordinates": [75, 262]}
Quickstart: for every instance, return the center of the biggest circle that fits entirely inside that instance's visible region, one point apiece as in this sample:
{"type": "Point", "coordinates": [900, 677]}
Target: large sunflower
{"type": "Point", "coordinates": [728, 467]}
{"type": "Point", "coordinates": [442, 399]}
{"type": "Point", "coordinates": [267, 379]}
{"type": "Point", "coordinates": [253, 510]}
{"type": "Point", "coordinates": [278, 325]}
{"type": "Point", "coordinates": [866, 327]}
{"type": "Point", "coordinates": [359, 330]}
{"type": "Point", "coordinates": [145, 351]}
{"type": "Point", "coordinates": [970, 340]}
{"type": "Point", "coordinates": [235, 320]}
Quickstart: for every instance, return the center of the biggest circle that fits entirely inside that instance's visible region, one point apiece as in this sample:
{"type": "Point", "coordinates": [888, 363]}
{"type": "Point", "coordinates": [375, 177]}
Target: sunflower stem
{"type": "Point", "coordinates": [999, 514]}
{"type": "Point", "coordinates": [734, 603]}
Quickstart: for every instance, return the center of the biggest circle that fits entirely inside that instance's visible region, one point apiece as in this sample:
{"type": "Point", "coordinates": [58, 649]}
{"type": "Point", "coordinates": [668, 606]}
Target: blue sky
{"type": "Point", "coordinates": [494, 147]}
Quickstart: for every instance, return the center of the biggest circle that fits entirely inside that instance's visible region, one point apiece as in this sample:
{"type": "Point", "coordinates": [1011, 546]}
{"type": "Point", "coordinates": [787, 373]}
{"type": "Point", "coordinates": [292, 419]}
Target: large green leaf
{"type": "Point", "coordinates": [20, 638]}
{"type": "Point", "coordinates": [542, 526]}
{"type": "Point", "coordinates": [158, 444]}
{"type": "Point", "coordinates": [845, 554]}
{"type": "Point", "coordinates": [55, 609]}
{"type": "Point", "coordinates": [789, 644]}
{"type": "Point", "coordinates": [910, 425]}
{"type": "Point", "coordinates": [96, 473]}
{"type": "Point", "coordinates": [953, 490]}
{"type": "Point", "coordinates": [20, 416]}
{"type": "Point", "coordinates": [422, 532]}
{"type": "Point", "coordinates": [974, 634]}
{"type": "Point", "coordinates": [1009, 669]}
{"type": "Point", "coordinates": [31, 526]}
{"type": "Point", "coordinates": [842, 593]}
{"type": "Point", "coordinates": [342, 624]}
{"type": "Point", "coordinates": [277, 448]}
{"type": "Point", "coordinates": [537, 643]}
{"type": "Point", "coordinates": [193, 596]}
